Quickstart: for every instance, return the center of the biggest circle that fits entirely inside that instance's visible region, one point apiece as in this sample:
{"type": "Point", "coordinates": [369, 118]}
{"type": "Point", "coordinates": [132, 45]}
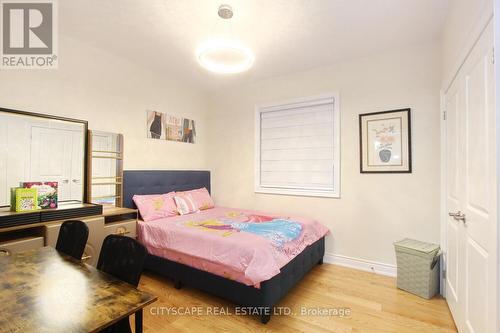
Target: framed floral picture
{"type": "Point", "coordinates": [385, 141]}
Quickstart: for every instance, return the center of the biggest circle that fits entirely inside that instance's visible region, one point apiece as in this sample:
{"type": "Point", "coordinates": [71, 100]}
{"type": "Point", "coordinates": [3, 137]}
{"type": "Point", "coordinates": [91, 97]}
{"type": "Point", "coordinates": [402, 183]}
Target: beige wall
{"type": "Point", "coordinates": [113, 95]}
{"type": "Point", "coordinates": [374, 209]}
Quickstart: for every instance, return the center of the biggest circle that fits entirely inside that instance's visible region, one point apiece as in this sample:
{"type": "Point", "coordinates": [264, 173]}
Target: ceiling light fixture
{"type": "Point", "coordinates": [224, 56]}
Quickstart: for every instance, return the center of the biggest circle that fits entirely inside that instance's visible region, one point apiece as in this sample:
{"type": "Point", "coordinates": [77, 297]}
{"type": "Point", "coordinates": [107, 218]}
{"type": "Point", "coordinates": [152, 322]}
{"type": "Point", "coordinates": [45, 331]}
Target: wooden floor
{"type": "Point", "coordinates": [375, 303]}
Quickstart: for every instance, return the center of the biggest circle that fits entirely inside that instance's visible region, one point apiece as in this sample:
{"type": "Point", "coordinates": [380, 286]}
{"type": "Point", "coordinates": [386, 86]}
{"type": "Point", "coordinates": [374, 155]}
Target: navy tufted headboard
{"type": "Point", "coordinates": [161, 181]}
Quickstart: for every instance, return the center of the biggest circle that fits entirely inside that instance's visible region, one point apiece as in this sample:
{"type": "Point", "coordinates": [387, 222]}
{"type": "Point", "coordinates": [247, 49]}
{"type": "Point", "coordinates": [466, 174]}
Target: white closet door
{"type": "Point", "coordinates": [76, 174]}
{"type": "Point", "coordinates": [471, 192]}
{"type": "Point", "coordinates": [51, 155]}
{"type": "Point", "coordinates": [455, 233]}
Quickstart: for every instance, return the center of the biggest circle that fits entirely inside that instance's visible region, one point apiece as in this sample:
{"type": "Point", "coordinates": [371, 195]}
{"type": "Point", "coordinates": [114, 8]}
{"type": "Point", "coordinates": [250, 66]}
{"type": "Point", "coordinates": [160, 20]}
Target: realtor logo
{"type": "Point", "coordinates": [29, 37]}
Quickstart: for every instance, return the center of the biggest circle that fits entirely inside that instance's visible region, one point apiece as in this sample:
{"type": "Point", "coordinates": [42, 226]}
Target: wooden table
{"type": "Point", "coordinates": [46, 291]}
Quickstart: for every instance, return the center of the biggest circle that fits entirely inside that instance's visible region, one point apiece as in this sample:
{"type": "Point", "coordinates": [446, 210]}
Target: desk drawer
{"type": "Point", "coordinates": [20, 245]}
{"type": "Point", "coordinates": [94, 225]}
{"type": "Point", "coordinates": [94, 242]}
{"type": "Point", "coordinates": [125, 228]}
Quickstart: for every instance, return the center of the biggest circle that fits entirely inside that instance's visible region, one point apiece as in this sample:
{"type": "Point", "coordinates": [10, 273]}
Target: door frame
{"type": "Point", "coordinates": [444, 184]}
{"type": "Point", "coordinates": [486, 16]}
{"type": "Point", "coordinates": [496, 58]}
{"type": "Point", "coordinates": [485, 20]}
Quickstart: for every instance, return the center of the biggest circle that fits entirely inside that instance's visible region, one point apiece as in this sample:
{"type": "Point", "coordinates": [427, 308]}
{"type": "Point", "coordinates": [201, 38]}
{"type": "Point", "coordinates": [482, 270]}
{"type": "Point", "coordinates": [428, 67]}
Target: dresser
{"type": "Point", "coordinates": [112, 220]}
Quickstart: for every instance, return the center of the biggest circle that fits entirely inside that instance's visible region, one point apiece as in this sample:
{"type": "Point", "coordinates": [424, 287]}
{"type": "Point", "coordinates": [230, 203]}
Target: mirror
{"type": "Point", "coordinates": [40, 148]}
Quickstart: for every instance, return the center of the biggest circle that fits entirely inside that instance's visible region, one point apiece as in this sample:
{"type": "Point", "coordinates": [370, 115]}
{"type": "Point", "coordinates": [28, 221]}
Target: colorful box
{"type": "Point", "coordinates": [23, 199]}
{"type": "Point", "coordinates": [47, 193]}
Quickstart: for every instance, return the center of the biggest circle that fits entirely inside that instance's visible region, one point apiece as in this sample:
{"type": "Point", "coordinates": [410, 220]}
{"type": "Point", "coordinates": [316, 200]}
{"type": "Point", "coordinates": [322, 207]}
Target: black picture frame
{"type": "Point", "coordinates": [408, 168]}
{"type": "Point", "coordinates": [85, 138]}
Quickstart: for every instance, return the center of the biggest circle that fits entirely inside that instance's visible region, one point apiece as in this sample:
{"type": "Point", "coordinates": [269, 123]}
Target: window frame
{"type": "Point", "coordinates": [300, 102]}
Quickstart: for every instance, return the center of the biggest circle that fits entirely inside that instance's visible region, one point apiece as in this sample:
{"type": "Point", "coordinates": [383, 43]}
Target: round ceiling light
{"type": "Point", "coordinates": [225, 56]}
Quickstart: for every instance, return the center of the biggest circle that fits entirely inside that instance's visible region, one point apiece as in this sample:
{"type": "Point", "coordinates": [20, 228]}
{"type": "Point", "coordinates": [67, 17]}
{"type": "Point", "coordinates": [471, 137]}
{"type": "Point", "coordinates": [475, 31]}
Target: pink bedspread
{"type": "Point", "coordinates": [246, 246]}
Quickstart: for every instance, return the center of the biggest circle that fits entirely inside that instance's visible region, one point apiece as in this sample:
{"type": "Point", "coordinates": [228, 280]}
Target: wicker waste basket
{"type": "Point", "coordinates": [418, 267]}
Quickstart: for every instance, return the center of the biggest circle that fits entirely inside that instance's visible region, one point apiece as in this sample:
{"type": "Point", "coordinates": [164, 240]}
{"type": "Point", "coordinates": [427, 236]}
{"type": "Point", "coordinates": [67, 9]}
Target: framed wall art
{"type": "Point", "coordinates": [168, 127]}
{"type": "Point", "coordinates": [156, 125]}
{"type": "Point", "coordinates": [385, 141]}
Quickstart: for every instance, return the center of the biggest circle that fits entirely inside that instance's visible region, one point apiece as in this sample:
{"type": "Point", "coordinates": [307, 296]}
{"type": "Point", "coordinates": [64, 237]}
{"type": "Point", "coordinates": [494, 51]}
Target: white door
{"type": "Point", "coordinates": [56, 155]}
{"type": "Point", "coordinates": [471, 192]}
{"type": "Point", "coordinates": [454, 231]}
{"type": "Point", "coordinates": [76, 174]}
{"type": "Point", "coordinates": [51, 151]}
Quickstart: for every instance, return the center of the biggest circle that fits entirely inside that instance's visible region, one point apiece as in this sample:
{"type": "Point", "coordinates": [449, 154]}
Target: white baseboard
{"type": "Point", "coordinates": [361, 264]}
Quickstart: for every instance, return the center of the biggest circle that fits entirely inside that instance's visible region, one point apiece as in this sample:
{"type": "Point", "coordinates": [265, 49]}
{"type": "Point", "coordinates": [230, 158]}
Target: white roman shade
{"type": "Point", "coordinates": [298, 147]}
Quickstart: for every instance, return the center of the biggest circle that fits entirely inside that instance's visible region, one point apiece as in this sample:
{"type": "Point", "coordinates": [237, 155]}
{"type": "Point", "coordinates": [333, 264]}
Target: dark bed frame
{"type": "Point", "coordinates": [256, 301]}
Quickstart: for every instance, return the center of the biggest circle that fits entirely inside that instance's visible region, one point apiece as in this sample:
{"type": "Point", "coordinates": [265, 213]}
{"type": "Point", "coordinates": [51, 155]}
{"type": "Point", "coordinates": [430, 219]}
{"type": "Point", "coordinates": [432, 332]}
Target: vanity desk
{"type": "Point", "coordinates": [44, 148]}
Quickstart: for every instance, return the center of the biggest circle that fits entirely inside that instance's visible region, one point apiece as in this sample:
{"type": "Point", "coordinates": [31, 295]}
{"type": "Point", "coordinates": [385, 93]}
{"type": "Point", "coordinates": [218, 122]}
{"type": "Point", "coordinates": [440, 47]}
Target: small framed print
{"type": "Point", "coordinates": [385, 141]}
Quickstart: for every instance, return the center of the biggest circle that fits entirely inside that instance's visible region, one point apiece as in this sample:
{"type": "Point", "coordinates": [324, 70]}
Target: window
{"type": "Point", "coordinates": [297, 147]}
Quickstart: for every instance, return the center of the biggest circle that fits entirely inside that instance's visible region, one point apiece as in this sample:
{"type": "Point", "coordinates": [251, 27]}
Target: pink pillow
{"type": "Point", "coordinates": [185, 204]}
{"type": "Point", "coordinates": [193, 201]}
{"type": "Point", "coordinates": [155, 206]}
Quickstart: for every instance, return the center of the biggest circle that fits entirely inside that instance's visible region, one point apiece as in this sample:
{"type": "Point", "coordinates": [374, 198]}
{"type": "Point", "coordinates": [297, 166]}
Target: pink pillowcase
{"type": "Point", "coordinates": [193, 201]}
{"type": "Point", "coordinates": [155, 206]}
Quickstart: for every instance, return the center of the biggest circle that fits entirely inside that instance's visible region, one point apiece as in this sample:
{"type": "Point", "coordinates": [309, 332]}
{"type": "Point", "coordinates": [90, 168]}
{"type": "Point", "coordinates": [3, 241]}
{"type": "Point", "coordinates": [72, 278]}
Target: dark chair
{"type": "Point", "coordinates": [123, 257]}
{"type": "Point", "coordinates": [72, 238]}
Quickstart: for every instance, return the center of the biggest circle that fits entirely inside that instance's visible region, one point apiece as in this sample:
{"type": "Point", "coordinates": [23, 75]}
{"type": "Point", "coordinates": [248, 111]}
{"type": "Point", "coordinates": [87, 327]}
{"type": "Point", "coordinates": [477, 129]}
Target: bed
{"type": "Point", "coordinates": [258, 293]}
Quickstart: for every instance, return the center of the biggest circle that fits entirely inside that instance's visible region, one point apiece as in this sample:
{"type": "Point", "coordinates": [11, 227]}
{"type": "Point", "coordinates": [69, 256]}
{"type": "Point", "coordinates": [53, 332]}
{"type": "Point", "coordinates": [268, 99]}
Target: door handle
{"type": "Point", "coordinates": [65, 181]}
{"type": "Point", "coordinates": [459, 216]}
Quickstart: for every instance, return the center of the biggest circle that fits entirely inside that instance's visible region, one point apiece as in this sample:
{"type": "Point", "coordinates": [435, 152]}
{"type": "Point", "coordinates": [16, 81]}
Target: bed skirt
{"type": "Point", "coordinates": [261, 300]}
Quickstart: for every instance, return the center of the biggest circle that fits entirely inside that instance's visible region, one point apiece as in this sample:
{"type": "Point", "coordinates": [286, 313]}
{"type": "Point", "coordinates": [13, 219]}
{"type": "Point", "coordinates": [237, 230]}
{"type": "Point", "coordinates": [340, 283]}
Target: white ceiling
{"type": "Point", "coordinates": [286, 35]}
